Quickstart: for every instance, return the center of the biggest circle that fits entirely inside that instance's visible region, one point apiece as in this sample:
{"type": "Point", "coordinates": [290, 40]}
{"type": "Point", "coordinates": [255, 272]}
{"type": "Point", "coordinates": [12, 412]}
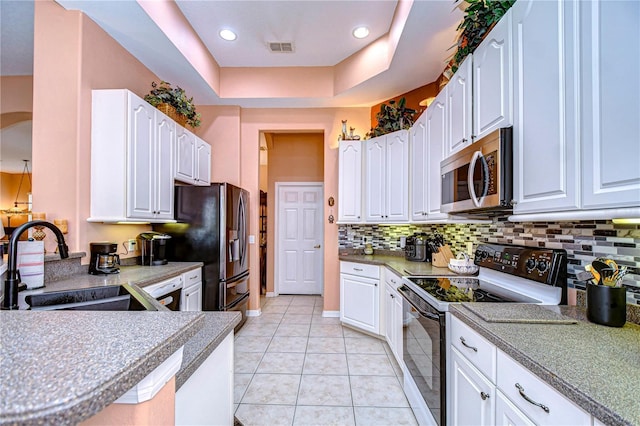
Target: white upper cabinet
{"type": "Point", "coordinates": [350, 181]}
{"type": "Point", "coordinates": [610, 88]}
{"type": "Point", "coordinates": [132, 159]}
{"type": "Point", "coordinates": [493, 81]}
{"type": "Point", "coordinates": [193, 159]}
{"type": "Point", "coordinates": [459, 107]}
{"type": "Point", "coordinates": [203, 163]}
{"type": "Point", "coordinates": [427, 137]}
{"type": "Point", "coordinates": [545, 141]}
{"type": "Point", "coordinates": [387, 178]}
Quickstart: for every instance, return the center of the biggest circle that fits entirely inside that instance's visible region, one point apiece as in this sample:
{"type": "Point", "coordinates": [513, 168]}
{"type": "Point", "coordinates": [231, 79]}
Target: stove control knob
{"type": "Point", "coordinates": [542, 265]}
{"type": "Point", "coordinates": [481, 254]}
{"type": "Point", "coordinates": [531, 263]}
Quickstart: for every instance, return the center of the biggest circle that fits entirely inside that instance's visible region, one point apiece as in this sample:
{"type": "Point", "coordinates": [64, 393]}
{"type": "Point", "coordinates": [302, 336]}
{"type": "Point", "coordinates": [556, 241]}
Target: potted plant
{"type": "Point", "coordinates": [480, 16]}
{"type": "Point", "coordinates": [173, 102]}
{"type": "Point", "coordinates": [392, 117]}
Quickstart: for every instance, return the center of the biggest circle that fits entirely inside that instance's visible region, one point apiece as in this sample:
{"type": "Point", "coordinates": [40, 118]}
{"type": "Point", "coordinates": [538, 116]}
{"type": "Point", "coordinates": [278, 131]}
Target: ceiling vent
{"type": "Point", "coordinates": [281, 47]}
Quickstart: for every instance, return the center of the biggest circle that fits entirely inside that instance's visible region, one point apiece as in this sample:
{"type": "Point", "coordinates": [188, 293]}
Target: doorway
{"type": "Point", "coordinates": [299, 238]}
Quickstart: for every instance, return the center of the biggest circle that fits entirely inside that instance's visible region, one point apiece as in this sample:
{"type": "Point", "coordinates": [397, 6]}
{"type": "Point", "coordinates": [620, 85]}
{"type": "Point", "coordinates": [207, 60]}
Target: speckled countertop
{"type": "Point", "coordinates": [593, 365]}
{"type": "Point", "coordinates": [398, 264]}
{"type": "Point", "coordinates": [63, 367]}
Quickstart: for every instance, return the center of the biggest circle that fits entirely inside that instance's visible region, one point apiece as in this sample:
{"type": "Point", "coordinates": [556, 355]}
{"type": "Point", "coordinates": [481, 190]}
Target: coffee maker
{"type": "Point", "coordinates": [153, 246]}
{"type": "Point", "coordinates": [104, 258]}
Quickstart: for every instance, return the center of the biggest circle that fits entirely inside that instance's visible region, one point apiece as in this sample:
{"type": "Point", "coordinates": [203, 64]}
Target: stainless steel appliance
{"type": "Point", "coordinates": [419, 247]}
{"type": "Point", "coordinates": [212, 227]}
{"type": "Point", "coordinates": [153, 248]}
{"type": "Point", "coordinates": [506, 274]}
{"type": "Point", "coordinates": [104, 258]}
{"type": "Point", "coordinates": [479, 178]}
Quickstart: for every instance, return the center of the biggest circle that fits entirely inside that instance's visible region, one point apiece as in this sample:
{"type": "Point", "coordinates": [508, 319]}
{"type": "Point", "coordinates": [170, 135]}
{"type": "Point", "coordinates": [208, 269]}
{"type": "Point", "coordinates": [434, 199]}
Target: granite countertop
{"type": "Point", "coordinates": [399, 264]}
{"type": "Point", "coordinates": [593, 365]}
{"type": "Point", "coordinates": [63, 367]}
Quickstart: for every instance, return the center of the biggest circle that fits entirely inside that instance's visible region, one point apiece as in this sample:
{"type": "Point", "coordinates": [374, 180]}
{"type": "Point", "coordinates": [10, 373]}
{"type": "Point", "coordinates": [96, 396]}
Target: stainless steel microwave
{"type": "Point", "coordinates": [479, 178]}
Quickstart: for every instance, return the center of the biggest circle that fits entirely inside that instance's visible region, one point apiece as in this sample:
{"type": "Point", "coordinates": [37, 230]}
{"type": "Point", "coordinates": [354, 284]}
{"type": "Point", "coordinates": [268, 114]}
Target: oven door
{"type": "Point", "coordinates": [424, 352]}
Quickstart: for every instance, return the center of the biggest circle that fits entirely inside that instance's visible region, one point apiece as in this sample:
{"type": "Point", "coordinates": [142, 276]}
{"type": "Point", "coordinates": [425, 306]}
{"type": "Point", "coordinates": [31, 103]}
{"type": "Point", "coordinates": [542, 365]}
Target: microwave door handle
{"type": "Point", "coordinates": [485, 187]}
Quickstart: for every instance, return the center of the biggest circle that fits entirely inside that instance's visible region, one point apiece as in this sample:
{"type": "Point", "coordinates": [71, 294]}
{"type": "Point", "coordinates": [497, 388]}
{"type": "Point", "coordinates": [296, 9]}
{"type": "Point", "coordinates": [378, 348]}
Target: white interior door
{"type": "Point", "coordinates": [300, 236]}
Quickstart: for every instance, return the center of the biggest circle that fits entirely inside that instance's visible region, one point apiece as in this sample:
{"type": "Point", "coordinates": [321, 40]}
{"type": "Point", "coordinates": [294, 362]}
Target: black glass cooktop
{"type": "Point", "coordinates": [456, 289]}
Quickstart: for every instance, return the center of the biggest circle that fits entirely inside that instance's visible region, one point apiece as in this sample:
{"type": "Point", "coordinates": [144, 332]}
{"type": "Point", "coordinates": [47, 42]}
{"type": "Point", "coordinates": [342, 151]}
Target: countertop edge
{"type": "Point", "coordinates": [576, 395]}
{"type": "Point", "coordinates": [394, 262]}
{"type": "Point", "coordinates": [189, 366]}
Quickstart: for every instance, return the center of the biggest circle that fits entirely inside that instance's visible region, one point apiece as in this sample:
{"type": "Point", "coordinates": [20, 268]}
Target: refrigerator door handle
{"type": "Point", "coordinates": [242, 228]}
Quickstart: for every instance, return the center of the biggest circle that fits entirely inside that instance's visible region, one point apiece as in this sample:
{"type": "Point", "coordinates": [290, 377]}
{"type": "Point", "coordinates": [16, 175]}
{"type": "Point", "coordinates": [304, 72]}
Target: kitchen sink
{"type": "Point", "coordinates": [104, 298]}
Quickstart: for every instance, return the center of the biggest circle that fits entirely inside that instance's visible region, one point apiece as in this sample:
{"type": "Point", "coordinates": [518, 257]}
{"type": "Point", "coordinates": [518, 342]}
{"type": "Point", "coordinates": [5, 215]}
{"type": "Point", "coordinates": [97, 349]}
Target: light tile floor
{"type": "Point", "coordinates": [294, 367]}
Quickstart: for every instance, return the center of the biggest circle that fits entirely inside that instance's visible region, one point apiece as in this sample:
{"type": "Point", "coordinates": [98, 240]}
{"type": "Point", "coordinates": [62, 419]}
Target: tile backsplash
{"type": "Point", "coordinates": [583, 241]}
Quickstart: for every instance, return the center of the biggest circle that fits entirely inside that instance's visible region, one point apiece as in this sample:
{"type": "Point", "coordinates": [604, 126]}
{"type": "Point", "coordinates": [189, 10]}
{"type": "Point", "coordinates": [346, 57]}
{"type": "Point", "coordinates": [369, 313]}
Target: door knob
{"type": "Point", "coordinates": [318, 246]}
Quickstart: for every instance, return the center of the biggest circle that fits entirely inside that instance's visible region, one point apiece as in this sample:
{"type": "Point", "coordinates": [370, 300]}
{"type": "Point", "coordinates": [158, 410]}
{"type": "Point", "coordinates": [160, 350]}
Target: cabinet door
{"type": "Point", "coordinates": [203, 163]}
{"type": "Point", "coordinates": [472, 394]}
{"type": "Point", "coordinates": [419, 168]}
{"type": "Point", "coordinates": [610, 104]}
{"type": "Point", "coordinates": [388, 316]}
{"type": "Point", "coordinates": [164, 147]}
{"type": "Point", "coordinates": [459, 108]}
{"type": "Point", "coordinates": [545, 145]}
{"type": "Point", "coordinates": [508, 414]}
{"type": "Point", "coordinates": [436, 139]}
{"type": "Point", "coordinates": [359, 302]}
{"type": "Point", "coordinates": [192, 298]}
{"type": "Point", "coordinates": [493, 80]}
{"type": "Point", "coordinates": [397, 177]}
{"type": "Point", "coordinates": [185, 155]}
{"type": "Point", "coordinates": [350, 181]}
{"type": "Point", "coordinates": [141, 159]}
{"type": "Point", "coordinates": [374, 180]}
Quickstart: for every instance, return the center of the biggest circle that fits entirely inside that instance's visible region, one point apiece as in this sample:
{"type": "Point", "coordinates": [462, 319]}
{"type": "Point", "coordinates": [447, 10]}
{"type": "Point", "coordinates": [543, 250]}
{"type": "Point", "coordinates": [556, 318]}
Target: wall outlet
{"type": "Point", "coordinates": [132, 245]}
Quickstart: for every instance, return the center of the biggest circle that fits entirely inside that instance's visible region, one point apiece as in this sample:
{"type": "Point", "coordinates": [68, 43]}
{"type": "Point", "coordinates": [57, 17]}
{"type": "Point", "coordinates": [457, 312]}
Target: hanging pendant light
{"type": "Point", "coordinates": [15, 210]}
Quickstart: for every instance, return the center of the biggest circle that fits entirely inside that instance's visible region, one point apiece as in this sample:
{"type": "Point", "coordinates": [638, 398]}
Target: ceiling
{"type": "Point", "coordinates": [417, 34]}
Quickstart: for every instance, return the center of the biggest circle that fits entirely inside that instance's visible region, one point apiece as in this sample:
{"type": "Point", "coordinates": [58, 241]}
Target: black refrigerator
{"type": "Point", "coordinates": [212, 227]}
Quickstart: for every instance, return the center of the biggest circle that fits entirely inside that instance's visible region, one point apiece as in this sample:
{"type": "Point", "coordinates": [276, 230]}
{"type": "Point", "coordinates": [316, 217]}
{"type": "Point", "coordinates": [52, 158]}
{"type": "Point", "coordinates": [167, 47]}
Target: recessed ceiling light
{"type": "Point", "coordinates": [361, 32]}
{"type": "Point", "coordinates": [228, 35]}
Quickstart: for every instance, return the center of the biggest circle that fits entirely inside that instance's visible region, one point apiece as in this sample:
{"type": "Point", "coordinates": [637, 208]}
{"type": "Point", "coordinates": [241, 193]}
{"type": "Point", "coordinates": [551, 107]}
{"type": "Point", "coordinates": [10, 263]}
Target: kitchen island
{"type": "Point", "coordinates": [594, 366]}
{"type": "Point", "coordinates": [64, 367]}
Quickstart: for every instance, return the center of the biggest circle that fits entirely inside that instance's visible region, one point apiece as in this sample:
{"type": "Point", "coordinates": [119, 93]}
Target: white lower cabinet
{"type": "Point", "coordinates": [507, 414]}
{"type": "Point", "coordinates": [486, 386]}
{"type": "Point", "coordinates": [191, 297]}
{"type": "Point", "coordinates": [207, 396]}
{"type": "Point", "coordinates": [360, 296]}
{"type": "Point", "coordinates": [472, 394]}
{"type": "Point", "coordinates": [393, 314]}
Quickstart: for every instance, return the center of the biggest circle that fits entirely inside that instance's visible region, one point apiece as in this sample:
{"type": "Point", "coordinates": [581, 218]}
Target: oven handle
{"type": "Point", "coordinates": [485, 178]}
{"type": "Point", "coordinates": [403, 291]}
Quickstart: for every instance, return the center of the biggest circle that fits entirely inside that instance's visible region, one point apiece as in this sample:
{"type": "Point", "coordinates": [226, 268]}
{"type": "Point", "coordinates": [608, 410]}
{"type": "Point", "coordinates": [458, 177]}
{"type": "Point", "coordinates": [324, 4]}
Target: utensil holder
{"type": "Point", "coordinates": [607, 305]}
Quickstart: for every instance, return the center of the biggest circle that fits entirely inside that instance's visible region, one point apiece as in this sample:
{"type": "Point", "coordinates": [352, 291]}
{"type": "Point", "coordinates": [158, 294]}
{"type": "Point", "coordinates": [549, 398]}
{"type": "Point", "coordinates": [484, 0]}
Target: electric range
{"type": "Point", "coordinates": [506, 274]}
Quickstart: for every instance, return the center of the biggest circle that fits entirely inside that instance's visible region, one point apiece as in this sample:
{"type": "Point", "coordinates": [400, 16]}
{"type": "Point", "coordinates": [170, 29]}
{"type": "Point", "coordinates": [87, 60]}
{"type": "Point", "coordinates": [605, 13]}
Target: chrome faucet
{"type": "Point", "coordinates": [12, 283]}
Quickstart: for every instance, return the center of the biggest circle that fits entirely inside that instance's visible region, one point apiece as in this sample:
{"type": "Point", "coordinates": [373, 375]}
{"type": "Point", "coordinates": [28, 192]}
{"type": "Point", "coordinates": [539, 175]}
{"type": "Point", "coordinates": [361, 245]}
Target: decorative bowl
{"type": "Point", "coordinates": [464, 270]}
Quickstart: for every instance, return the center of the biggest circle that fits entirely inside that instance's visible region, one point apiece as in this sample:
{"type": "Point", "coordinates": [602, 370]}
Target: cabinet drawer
{"type": "Point", "coordinates": [478, 350]}
{"type": "Point", "coordinates": [392, 279]}
{"type": "Point", "coordinates": [360, 269]}
{"type": "Point", "coordinates": [192, 277]}
{"type": "Point", "coordinates": [557, 410]}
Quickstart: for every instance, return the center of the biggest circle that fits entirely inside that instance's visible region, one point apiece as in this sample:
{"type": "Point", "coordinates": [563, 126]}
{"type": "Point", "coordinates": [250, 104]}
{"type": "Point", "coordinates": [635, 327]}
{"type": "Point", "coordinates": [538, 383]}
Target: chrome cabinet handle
{"type": "Point", "coordinates": [358, 269]}
{"type": "Point", "coordinates": [484, 396]}
{"type": "Point", "coordinates": [392, 280]}
{"type": "Point", "coordinates": [467, 345]}
{"type": "Point", "coordinates": [316, 246]}
{"type": "Point", "coordinates": [529, 400]}
{"type": "Point", "coordinates": [392, 296]}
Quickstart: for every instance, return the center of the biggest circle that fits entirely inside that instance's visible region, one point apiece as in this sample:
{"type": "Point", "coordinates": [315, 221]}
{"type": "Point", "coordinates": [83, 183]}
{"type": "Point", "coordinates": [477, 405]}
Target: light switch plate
{"type": "Point", "coordinates": [252, 239]}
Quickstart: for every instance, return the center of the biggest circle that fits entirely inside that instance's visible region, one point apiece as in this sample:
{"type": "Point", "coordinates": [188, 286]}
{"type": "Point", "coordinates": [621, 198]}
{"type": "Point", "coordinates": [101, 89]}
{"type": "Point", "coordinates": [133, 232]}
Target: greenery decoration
{"type": "Point", "coordinates": [480, 16]}
{"type": "Point", "coordinates": [176, 97]}
{"type": "Point", "coordinates": [392, 117]}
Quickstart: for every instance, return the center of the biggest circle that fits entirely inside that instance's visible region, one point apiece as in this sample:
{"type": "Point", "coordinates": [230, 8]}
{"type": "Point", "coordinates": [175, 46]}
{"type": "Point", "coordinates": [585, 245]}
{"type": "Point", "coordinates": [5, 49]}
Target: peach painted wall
{"type": "Point", "coordinates": [16, 93]}
{"type": "Point", "coordinates": [221, 128]}
{"type": "Point", "coordinates": [326, 120]}
{"type": "Point", "coordinates": [264, 176]}
{"type": "Point", "coordinates": [70, 49]}
{"type": "Point", "coordinates": [293, 157]}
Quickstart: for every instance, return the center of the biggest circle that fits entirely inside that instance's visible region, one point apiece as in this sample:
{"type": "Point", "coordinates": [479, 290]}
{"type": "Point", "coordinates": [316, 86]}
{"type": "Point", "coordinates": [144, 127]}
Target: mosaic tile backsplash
{"type": "Point", "coordinates": [583, 241]}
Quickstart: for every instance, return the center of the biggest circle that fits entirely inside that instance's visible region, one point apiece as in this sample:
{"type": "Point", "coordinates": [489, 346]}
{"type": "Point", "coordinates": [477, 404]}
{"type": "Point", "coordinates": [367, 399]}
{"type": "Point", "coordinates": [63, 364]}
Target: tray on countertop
{"type": "Point", "coordinates": [524, 313]}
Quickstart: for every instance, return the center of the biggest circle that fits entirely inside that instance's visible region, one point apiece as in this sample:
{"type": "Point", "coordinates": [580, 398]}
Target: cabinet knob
{"type": "Point", "coordinates": [464, 140]}
{"type": "Point", "coordinates": [484, 396]}
{"type": "Point", "coordinates": [392, 296]}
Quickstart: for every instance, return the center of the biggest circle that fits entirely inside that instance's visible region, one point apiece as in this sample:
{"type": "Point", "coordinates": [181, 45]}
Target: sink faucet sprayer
{"type": "Point", "coordinates": [12, 282]}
